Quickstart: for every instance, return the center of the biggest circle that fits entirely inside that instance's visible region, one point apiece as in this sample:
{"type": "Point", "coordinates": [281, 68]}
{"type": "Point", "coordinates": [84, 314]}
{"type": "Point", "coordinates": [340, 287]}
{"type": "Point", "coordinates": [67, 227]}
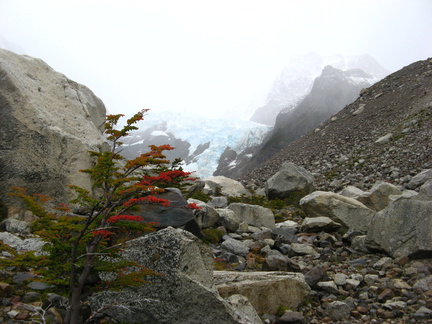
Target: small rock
{"type": "Point", "coordinates": [328, 286]}
{"type": "Point", "coordinates": [290, 317]}
{"type": "Point", "coordinates": [302, 249]}
{"type": "Point", "coordinates": [340, 279]}
{"type": "Point", "coordinates": [391, 305]}
{"type": "Point", "coordinates": [338, 310]}
{"type": "Point", "coordinates": [12, 314]}
{"type": "Point", "coordinates": [382, 263]}
{"type": "Point", "coordinates": [384, 139]}
{"type": "Point", "coordinates": [423, 312]}
{"type": "Point", "coordinates": [385, 295]}
{"type": "Point", "coordinates": [313, 276]}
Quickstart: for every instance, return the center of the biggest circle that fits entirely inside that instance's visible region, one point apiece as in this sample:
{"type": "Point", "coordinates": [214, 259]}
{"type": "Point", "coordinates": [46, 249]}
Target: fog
{"type": "Point", "coordinates": [213, 57]}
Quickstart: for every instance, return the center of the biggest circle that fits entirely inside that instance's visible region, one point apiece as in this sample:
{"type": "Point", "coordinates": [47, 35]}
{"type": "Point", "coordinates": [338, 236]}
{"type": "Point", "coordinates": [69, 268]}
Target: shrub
{"type": "Point", "coordinates": [77, 245]}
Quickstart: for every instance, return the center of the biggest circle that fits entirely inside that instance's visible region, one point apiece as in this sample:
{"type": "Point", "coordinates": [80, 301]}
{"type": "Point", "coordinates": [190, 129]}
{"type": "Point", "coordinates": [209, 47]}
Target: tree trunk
{"type": "Point", "coordinates": [73, 313]}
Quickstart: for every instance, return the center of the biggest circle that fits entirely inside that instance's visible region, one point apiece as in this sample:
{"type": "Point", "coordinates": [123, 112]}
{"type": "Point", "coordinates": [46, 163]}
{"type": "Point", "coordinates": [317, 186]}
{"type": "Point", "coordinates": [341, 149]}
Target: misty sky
{"type": "Point", "coordinates": [220, 57]}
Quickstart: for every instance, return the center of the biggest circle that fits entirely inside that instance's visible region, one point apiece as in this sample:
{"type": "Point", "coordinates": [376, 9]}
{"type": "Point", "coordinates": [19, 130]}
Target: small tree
{"type": "Point", "coordinates": [79, 245]}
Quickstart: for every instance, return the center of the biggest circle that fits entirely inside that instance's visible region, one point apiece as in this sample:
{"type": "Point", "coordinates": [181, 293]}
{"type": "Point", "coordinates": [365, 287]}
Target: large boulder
{"type": "Point", "coordinates": [379, 196]}
{"type": "Point", "coordinates": [207, 216]}
{"type": "Point", "coordinates": [425, 192]}
{"type": "Point", "coordinates": [225, 186]}
{"type": "Point", "coordinates": [266, 291]}
{"type": "Point", "coordinates": [419, 179]}
{"type": "Point", "coordinates": [290, 179]}
{"type": "Point", "coordinates": [185, 291]}
{"type": "Point", "coordinates": [402, 229]}
{"type": "Point", "coordinates": [253, 214]}
{"type": "Point", "coordinates": [343, 210]}
{"type": "Point", "coordinates": [228, 219]}
{"type": "Point", "coordinates": [48, 123]}
{"type": "Point", "coordinates": [176, 215]}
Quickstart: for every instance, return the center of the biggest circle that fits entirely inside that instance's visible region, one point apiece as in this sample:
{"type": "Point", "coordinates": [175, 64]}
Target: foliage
{"type": "Point", "coordinates": [199, 195]}
{"type": "Point", "coordinates": [281, 310]}
{"type": "Point", "coordinates": [258, 200]}
{"type": "Point", "coordinates": [78, 246]}
{"type": "Point", "coordinates": [221, 264]}
{"type": "Point", "coordinates": [212, 235]}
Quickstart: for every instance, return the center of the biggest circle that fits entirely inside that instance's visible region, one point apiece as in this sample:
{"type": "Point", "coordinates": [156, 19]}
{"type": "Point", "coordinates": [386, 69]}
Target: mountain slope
{"type": "Point", "coordinates": [296, 80]}
{"type": "Point", "coordinates": [331, 91]}
{"type": "Point", "coordinates": [344, 149]}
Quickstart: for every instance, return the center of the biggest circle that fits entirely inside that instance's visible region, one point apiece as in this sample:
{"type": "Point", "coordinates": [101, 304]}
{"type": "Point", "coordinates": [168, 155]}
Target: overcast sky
{"type": "Point", "coordinates": [214, 56]}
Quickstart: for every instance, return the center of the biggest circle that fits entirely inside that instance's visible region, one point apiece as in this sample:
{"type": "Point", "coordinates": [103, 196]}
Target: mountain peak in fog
{"type": "Point", "coordinates": [296, 80]}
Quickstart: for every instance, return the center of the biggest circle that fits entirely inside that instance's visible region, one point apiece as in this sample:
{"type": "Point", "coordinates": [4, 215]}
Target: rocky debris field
{"type": "Point", "coordinates": [347, 285]}
{"type": "Point", "coordinates": [385, 134]}
{"type": "Point", "coordinates": [352, 257]}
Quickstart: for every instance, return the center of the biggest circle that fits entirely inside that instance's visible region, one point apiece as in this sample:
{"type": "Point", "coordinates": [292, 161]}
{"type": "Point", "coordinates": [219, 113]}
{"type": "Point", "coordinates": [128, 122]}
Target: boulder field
{"type": "Point", "coordinates": [337, 257]}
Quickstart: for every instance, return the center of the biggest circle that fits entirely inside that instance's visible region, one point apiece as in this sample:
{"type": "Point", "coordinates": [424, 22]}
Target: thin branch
{"type": "Point", "coordinates": [121, 304]}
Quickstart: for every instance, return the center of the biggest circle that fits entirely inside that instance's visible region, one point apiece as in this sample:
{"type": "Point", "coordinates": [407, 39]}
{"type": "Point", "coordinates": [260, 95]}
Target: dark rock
{"type": "Point", "coordinates": [315, 275]}
{"type": "Point", "coordinates": [290, 317]}
{"type": "Point", "coordinates": [176, 215]}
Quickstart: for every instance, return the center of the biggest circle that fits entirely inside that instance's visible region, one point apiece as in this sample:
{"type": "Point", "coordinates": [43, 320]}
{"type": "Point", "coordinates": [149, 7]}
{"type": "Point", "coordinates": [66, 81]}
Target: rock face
{"type": "Point", "coordinates": [379, 196]}
{"type": "Point", "coordinates": [253, 215]}
{"type": "Point", "coordinates": [225, 186]}
{"type": "Point", "coordinates": [288, 180]}
{"type": "Point", "coordinates": [403, 229]}
{"type": "Point", "coordinates": [266, 291]}
{"type": "Point", "coordinates": [48, 124]}
{"type": "Point", "coordinates": [183, 294]}
{"type": "Point", "coordinates": [348, 211]}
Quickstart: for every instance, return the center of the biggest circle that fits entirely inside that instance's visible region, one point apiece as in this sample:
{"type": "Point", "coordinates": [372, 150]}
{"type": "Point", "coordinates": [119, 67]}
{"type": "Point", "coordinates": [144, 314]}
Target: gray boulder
{"type": "Point", "coordinates": [425, 192]}
{"type": "Point", "coordinates": [402, 229]}
{"type": "Point", "coordinates": [254, 215]}
{"type": "Point", "coordinates": [379, 196]}
{"type": "Point", "coordinates": [419, 179]}
{"type": "Point", "coordinates": [218, 202]}
{"type": "Point", "coordinates": [279, 262]}
{"type": "Point", "coordinates": [234, 246]}
{"type": "Point", "coordinates": [266, 291]}
{"type": "Point", "coordinates": [344, 210]}
{"type": "Point", "coordinates": [352, 192]}
{"type": "Point", "coordinates": [48, 123]}
{"type": "Point", "coordinates": [338, 310]}
{"type": "Point", "coordinates": [290, 179]}
{"type": "Point", "coordinates": [358, 243]}
{"type": "Point", "coordinates": [226, 186]}
{"type": "Point", "coordinates": [176, 215]}
{"type": "Point", "coordinates": [185, 292]}
{"type": "Point", "coordinates": [241, 303]}
{"type": "Point", "coordinates": [22, 245]}
{"type": "Point", "coordinates": [317, 224]}
{"type": "Point", "coordinates": [16, 226]}
{"type": "Point", "coordinates": [228, 219]}
{"type": "Point", "coordinates": [207, 216]}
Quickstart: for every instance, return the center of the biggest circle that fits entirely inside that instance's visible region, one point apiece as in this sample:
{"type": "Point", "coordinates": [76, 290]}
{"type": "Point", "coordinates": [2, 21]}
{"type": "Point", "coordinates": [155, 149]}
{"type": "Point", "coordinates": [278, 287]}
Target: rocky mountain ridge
{"type": "Point", "coordinates": [331, 91]}
{"type": "Point", "coordinates": [296, 80]}
{"type": "Point", "coordinates": [384, 135]}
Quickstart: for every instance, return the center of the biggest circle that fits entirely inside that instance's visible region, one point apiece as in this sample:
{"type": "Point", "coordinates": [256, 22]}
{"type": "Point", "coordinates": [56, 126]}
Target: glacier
{"type": "Point", "coordinates": [197, 130]}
